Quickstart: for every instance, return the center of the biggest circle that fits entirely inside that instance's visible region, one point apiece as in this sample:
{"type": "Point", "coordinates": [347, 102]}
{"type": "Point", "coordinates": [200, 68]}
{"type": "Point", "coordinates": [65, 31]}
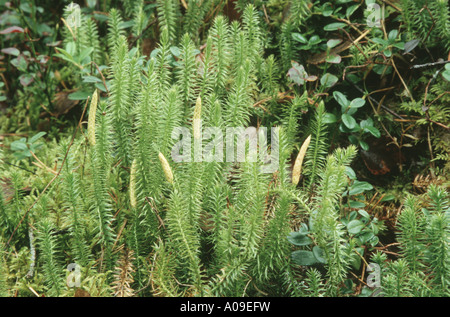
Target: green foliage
{"type": "Point", "coordinates": [186, 72]}
{"type": "Point", "coordinates": [24, 148]}
{"type": "Point", "coordinates": [115, 30]}
{"type": "Point", "coordinates": [101, 208]}
{"type": "Point", "coordinates": [423, 237]}
{"type": "Point", "coordinates": [429, 21]}
{"type": "Point", "coordinates": [74, 208]}
{"type": "Point", "coordinates": [115, 199]}
{"type": "Point", "coordinates": [167, 18]}
{"type": "Point", "coordinates": [316, 155]}
{"type": "Point", "coordinates": [49, 248]}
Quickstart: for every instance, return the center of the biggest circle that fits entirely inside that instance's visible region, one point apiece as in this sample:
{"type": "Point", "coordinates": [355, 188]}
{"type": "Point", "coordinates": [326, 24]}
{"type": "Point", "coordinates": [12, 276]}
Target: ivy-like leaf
{"type": "Point", "coordinates": [349, 121]}
{"type": "Point", "coordinates": [304, 258]}
{"type": "Point", "coordinates": [334, 26]}
{"type": "Point", "coordinates": [359, 187]}
{"type": "Point", "coordinates": [299, 239]}
{"type": "Point", "coordinates": [355, 226]}
{"type": "Point", "coordinates": [328, 80]}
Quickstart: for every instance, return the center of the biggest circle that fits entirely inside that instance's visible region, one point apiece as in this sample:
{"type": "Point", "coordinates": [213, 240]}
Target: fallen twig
{"type": "Point", "coordinates": [438, 63]}
{"type": "Point", "coordinates": [41, 164]}
{"type": "Point", "coordinates": [375, 101]}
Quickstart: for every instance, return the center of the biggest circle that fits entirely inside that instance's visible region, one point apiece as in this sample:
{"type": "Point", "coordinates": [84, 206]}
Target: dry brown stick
{"type": "Point", "coordinates": [260, 102]}
{"type": "Point", "coordinates": [153, 207]}
{"type": "Point", "coordinates": [53, 179]}
{"type": "Point", "coordinates": [392, 5]}
{"type": "Point", "coordinates": [395, 67]}
{"type": "Point", "coordinates": [438, 63]}
{"type": "Point", "coordinates": [376, 204]}
{"type": "Point", "coordinates": [355, 42]}
{"type": "Point", "coordinates": [358, 278]}
{"type": "Point", "coordinates": [387, 246]}
{"type": "Point", "coordinates": [280, 95]}
{"type": "Point", "coordinates": [33, 291]}
{"type": "Point", "coordinates": [363, 271]}
{"type": "Point", "coordinates": [439, 124]}
{"type": "Point", "coordinates": [401, 79]}
{"type": "Point", "coordinates": [381, 90]}
{"type": "Point", "coordinates": [434, 100]}
{"type": "Point", "coordinates": [425, 108]}
{"type": "Point", "coordinates": [350, 24]}
{"type": "Point", "coordinates": [430, 147]}
{"type": "Point", "coordinates": [142, 33]}
{"type": "Point", "coordinates": [375, 101]}
{"type": "Point", "coordinates": [432, 18]}
{"type": "Point", "coordinates": [265, 15]}
{"type": "Point", "coordinates": [213, 12]}
{"type": "Point", "coordinates": [103, 77]}
{"type": "Point", "coordinates": [41, 164]}
{"type": "Point", "coordinates": [120, 233]}
{"type": "Point", "coordinates": [321, 58]}
{"type": "Point", "coordinates": [389, 252]}
{"type": "Point", "coordinates": [362, 258]}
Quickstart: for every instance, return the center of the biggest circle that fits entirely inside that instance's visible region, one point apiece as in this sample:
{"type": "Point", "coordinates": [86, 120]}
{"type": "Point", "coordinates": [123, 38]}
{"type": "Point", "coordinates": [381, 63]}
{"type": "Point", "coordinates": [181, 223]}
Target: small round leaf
{"type": "Point", "coordinates": [355, 226]}
{"type": "Point", "coordinates": [305, 258]}
{"type": "Point", "coordinates": [349, 121]}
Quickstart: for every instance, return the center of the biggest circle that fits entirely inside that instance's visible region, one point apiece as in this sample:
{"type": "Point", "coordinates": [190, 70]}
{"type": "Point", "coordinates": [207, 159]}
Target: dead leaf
{"type": "Point", "coordinates": [322, 57]}
{"type": "Point", "coordinates": [7, 189]}
{"type": "Point", "coordinates": [81, 293]}
{"type": "Point", "coordinates": [12, 29]}
{"type": "Point", "coordinates": [62, 103]}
